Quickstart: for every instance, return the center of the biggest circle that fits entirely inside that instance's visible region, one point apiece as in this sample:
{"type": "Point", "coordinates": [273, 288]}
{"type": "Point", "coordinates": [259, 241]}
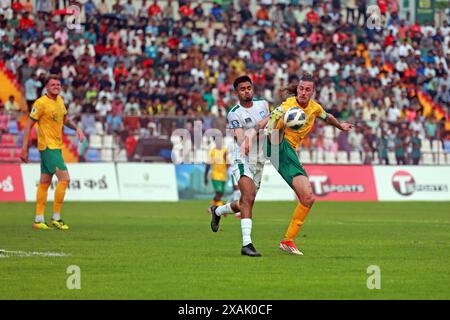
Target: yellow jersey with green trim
{"type": "Point", "coordinates": [49, 115]}
{"type": "Point", "coordinates": [313, 110]}
{"type": "Point", "coordinates": [218, 159]}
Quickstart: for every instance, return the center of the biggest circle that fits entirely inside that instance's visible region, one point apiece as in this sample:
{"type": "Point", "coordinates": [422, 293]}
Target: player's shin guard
{"type": "Point", "coordinates": [41, 198]}
{"type": "Point", "coordinates": [59, 195]}
{"type": "Point", "coordinates": [225, 209]}
{"type": "Point", "coordinates": [297, 220]}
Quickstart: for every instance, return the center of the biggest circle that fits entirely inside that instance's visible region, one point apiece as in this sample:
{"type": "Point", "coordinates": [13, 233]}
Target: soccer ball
{"type": "Point", "coordinates": [294, 118]}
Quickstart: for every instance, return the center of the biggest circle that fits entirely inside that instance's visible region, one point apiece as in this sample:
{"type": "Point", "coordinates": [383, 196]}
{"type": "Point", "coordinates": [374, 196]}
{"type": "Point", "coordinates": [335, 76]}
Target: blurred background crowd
{"type": "Point", "coordinates": [135, 71]}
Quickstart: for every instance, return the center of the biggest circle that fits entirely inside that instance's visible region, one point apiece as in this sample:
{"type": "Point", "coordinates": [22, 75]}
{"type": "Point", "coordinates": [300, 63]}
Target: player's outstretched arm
{"type": "Point", "coordinates": [345, 126]}
{"type": "Point", "coordinates": [69, 124]}
{"type": "Point", "coordinates": [25, 142]}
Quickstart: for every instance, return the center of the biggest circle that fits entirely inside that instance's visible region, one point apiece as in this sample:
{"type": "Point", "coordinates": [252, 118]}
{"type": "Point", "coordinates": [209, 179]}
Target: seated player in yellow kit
{"type": "Point", "coordinates": [281, 147]}
{"type": "Point", "coordinates": [50, 113]}
{"type": "Point", "coordinates": [217, 159]}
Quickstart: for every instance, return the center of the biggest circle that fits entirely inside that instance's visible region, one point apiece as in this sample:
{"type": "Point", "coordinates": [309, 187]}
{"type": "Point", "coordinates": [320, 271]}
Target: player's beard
{"type": "Point", "coordinates": [247, 99]}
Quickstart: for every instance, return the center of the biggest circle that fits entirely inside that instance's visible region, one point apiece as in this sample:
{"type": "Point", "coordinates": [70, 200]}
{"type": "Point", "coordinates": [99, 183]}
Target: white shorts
{"type": "Point", "coordinates": [253, 171]}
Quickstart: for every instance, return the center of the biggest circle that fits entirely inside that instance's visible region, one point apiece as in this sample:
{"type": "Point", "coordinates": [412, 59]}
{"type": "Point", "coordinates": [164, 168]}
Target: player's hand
{"type": "Point", "coordinates": [245, 146]}
{"type": "Point", "coordinates": [24, 155]}
{"type": "Point", "coordinates": [80, 135]}
{"type": "Point", "coordinates": [347, 126]}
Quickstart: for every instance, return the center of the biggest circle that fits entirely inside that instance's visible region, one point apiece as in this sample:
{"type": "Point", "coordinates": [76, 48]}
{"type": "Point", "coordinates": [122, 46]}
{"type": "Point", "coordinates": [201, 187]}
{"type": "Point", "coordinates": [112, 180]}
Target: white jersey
{"type": "Point", "coordinates": [248, 118]}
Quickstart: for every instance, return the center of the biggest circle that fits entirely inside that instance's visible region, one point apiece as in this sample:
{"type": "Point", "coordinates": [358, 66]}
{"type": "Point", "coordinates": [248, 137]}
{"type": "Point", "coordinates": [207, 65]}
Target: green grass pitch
{"type": "Point", "coordinates": [167, 251]}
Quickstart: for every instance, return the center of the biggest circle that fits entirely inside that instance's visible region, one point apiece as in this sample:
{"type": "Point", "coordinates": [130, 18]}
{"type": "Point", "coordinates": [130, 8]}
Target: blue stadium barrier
{"type": "Point", "coordinates": [92, 155]}
{"type": "Point", "coordinates": [13, 128]}
{"type": "Point", "coordinates": [69, 132]}
{"type": "Point", "coordinates": [34, 155]}
{"type": "Point", "coordinates": [166, 154]}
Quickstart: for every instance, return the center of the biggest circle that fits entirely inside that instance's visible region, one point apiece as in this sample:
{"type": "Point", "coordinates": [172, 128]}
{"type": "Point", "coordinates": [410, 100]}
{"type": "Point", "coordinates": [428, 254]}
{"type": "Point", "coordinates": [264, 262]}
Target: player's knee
{"type": "Point", "coordinates": [307, 200]}
{"type": "Point", "coordinates": [248, 199]}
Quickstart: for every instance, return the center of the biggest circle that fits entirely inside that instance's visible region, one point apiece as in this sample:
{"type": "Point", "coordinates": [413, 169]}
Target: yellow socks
{"type": "Point", "coordinates": [297, 220]}
{"type": "Point", "coordinates": [59, 196]}
{"type": "Point", "coordinates": [41, 200]}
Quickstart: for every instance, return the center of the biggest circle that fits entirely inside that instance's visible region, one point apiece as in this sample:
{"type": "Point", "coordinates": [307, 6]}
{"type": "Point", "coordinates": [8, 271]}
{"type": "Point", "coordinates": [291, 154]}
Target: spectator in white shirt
{"type": "Point", "coordinates": [332, 67]}
{"type": "Point", "coordinates": [132, 105]}
{"type": "Point", "coordinates": [103, 106]}
{"type": "Point", "coordinates": [393, 114]}
{"type": "Point", "coordinates": [62, 35]}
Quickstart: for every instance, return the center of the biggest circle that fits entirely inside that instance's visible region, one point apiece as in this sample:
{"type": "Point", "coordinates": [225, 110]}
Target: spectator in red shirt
{"type": "Point", "coordinates": [415, 31]}
{"type": "Point", "coordinates": [120, 70]}
{"type": "Point", "coordinates": [382, 4]}
{"type": "Point", "coordinates": [186, 12]}
{"type": "Point", "coordinates": [25, 23]}
{"type": "Point", "coordinates": [312, 17]}
{"type": "Point", "coordinates": [402, 30]}
{"type": "Point", "coordinates": [389, 40]}
{"type": "Point", "coordinates": [154, 9]}
{"type": "Point", "coordinates": [316, 36]}
{"type": "Point", "coordinates": [131, 122]}
{"type": "Point", "coordinates": [130, 144]}
{"type": "Point", "coordinates": [100, 48]}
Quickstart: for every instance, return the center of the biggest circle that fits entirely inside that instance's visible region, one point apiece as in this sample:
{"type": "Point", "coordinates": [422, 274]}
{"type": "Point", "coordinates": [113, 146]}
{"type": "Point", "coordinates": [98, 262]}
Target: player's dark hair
{"type": "Point", "coordinates": [53, 77]}
{"type": "Point", "coordinates": [240, 80]}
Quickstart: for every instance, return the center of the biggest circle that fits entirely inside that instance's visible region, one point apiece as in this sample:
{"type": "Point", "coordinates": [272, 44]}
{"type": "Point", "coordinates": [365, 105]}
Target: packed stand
{"type": "Point", "coordinates": [138, 70]}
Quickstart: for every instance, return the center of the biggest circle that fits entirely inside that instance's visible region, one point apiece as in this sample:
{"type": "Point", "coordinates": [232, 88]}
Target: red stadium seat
{"type": "Point", "coordinates": [8, 141]}
{"type": "Point", "coordinates": [5, 153]}
{"type": "Point", "coordinates": [17, 152]}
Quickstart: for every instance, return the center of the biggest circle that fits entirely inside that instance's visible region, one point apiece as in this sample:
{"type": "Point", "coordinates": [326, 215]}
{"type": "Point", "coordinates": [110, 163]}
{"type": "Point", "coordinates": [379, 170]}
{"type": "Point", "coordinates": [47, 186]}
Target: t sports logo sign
{"type": "Point", "coordinates": [342, 183]}
{"type": "Point", "coordinates": [413, 183]}
{"type": "Point", "coordinates": [404, 183]}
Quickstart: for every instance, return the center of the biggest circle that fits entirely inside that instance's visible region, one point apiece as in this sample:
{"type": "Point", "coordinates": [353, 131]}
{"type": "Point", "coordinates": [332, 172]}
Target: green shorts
{"type": "Point", "coordinates": [51, 159]}
{"type": "Point", "coordinates": [219, 186]}
{"type": "Point", "coordinates": [287, 164]}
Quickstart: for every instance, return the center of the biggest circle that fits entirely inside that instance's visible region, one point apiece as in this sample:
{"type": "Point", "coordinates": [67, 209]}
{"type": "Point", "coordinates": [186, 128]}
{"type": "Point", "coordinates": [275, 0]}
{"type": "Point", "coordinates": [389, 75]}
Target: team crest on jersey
{"type": "Point", "coordinates": [234, 124]}
{"type": "Point", "coordinates": [248, 120]}
{"type": "Point", "coordinates": [55, 116]}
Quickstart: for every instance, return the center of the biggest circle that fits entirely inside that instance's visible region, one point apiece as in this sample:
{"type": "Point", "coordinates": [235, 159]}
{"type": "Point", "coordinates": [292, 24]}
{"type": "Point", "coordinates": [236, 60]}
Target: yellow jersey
{"type": "Point", "coordinates": [49, 115]}
{"type": "Point", "coordinates": [217, 158]}
{"type": "Point", "coordinates": [312, 111]}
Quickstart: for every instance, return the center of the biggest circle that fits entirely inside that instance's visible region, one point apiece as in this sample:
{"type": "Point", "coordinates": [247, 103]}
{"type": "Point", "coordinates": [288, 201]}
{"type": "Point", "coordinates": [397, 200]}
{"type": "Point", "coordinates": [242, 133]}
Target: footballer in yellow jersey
{"type": "Point", "coordinates": [218, 165]}
{"type": "Point", "coordinates": [281, 146]}
{"type": "Point", "coordinates": [50, 114]}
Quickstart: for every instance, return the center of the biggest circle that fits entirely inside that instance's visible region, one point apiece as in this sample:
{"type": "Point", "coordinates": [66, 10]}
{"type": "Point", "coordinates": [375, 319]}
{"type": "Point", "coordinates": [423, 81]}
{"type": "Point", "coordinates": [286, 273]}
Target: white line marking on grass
{"type": "Point", "coordinates": [9, 253]}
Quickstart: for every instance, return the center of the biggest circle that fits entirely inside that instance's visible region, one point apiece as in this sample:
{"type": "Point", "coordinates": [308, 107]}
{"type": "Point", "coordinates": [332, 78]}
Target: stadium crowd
{"type": "Point", "coordinates": [145, 68]}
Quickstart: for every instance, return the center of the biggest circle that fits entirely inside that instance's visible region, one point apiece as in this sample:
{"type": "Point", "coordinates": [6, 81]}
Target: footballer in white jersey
{"type": "Point", "coordinates": [246, 119]}
{"type": "Point", "coordinates": [251, 164]}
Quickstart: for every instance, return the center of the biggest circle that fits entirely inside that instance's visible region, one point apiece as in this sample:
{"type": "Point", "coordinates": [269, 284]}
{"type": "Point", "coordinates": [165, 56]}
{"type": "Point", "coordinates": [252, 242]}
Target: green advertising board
{"type": "Point", "coordinates": [424, 11]}
{"type": "Point", "coordinates": [441, 4]}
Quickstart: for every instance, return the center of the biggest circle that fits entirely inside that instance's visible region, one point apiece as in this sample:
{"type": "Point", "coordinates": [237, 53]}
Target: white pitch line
{"type": "Point", "coordinates": [9, 253]}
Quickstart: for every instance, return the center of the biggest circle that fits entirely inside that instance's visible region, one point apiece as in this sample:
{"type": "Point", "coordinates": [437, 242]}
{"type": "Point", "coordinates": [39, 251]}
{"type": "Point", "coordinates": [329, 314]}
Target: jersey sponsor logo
{"type": "Point", "coordinates": [262, 114]}
{"type": "Point", "coordinates": [405, 184]}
